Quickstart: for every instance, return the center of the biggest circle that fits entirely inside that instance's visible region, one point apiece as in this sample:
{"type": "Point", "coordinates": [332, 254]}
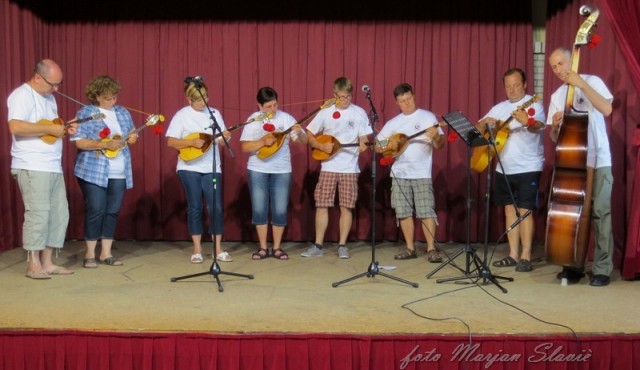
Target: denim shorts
{"type": "Point", "coordinates": [269, 192]}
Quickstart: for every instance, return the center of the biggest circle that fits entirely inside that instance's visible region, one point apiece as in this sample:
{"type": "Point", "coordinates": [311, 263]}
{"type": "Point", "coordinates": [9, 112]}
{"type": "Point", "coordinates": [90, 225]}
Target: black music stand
{"type": "Point", "coordinates": [472, 137]}
{"type": "Point", "coordinates": [374, 268]}
{"type": "Point", "coordinates": [214, 269]}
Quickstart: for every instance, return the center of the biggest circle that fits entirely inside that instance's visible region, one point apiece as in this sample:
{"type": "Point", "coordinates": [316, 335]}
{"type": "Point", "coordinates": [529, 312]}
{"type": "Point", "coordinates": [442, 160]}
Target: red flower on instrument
{"type": "Point", "coordinates": [452, 137]}
{"type": "Point", "coordinates": [269, 127]}
{"type": "Point", "coordinates": [386, 161]}
{"type": "Point", "coordinates": [531, 112]}
{"type": "Point", "coordinates": [336, 115]}
{"type": "Point", "coordinates": [105, 133]}
{"type": "Point", "coordinates": [158, 129]}
{"type": "Point", "coordinates": [595, 40]}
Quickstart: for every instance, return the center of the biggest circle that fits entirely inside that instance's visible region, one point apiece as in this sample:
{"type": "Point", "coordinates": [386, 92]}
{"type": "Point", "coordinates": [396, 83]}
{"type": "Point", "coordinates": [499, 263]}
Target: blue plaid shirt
{"type": "Point", "coordinates": [91, 165]}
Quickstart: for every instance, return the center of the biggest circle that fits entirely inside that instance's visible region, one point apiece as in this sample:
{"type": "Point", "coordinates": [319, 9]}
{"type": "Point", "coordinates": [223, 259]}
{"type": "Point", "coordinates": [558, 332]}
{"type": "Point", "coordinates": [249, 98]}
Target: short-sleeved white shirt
{"type": "Point", "coordinates": [524, 150]}
{"type": "Point", "coordinates": [347, 129]}
{"type": "Point", "coordinates": [416, 160]}
{"type": "Point", "coordinates": [188, 121]}
{"type": "Point", "coordinates": [30, 152]}
{"type": "Point", "coordinates": [598, 151]}
{"type": "Point", "coordinates": [279, 162]}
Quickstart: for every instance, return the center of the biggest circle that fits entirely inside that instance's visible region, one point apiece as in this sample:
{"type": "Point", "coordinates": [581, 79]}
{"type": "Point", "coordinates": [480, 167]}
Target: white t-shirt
{"type": "Point", "coordinates": [31, 153]}
{"type": "Point", "coordinates": [280, 162]}
{"type": "Point", "coordinates": [188, 121]}
{"type": "Point", "coordinates": [598, 152]}
{"type": "Point", "coordinates": [347, 129]}
{"type": "Point", "coordinates": [524, 150]}
{"type": "Point", "coordinates": [416, 161]}
{"type": "Point", "coordinates": [116, 164]}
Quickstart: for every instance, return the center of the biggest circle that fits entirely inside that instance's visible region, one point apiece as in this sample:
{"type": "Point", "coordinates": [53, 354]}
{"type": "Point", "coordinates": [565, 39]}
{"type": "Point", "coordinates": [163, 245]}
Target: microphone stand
{"type": "Point", "coordinates": [484, 270]}
{"type": "Point", "coordinates": [374, 268]}
{"type": "Point", "coordinates": [214, 269]}
{"type": "Point", "coordinates": [472, 137]}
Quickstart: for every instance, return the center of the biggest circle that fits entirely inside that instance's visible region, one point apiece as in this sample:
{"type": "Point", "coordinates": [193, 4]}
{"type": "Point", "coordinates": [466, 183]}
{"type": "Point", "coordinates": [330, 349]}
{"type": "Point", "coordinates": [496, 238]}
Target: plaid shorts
{"type": "Point", "coordinates": [407, 194]}
{"type": "Point", "coordinates": [325, 193]}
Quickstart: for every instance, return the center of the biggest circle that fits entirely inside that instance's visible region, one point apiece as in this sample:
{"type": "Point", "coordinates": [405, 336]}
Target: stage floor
{"type": "Point", "coordinates": [297, 296]}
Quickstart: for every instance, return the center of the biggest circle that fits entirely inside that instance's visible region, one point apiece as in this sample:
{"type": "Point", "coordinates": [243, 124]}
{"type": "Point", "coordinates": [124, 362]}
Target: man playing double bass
{"type": "Point", "coordinates": [592, 96]}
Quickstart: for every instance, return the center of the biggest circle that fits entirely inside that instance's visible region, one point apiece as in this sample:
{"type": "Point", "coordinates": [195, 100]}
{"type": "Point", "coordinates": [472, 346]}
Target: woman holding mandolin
{"type": "Point", "coordinates": [591, 96]}
{"type": "Point", "coordinates": [270, 178]}
{"type": "Point", "coordinates": [520, 164]}
{"type": "Point", "coordinates": [103, 180]}
{"type": "Point", "coordinates": [197, 175]}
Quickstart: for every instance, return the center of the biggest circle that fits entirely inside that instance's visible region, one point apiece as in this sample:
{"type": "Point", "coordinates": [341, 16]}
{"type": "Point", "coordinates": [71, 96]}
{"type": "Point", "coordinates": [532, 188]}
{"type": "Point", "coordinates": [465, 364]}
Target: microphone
{"type": "Point", "coordinates": [518, 221]}
{"type": "Point", "coordinates": [260, 117]}
{"type": "Point", "coordinates": [365, 88]}
{"type": "Point", "coordinates": [195, 80]}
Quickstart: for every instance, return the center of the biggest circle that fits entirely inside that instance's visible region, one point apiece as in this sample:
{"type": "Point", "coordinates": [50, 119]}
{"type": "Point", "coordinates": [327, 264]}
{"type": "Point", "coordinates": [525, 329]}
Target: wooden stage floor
{"type": "Point", "coordinates": [297, 296]}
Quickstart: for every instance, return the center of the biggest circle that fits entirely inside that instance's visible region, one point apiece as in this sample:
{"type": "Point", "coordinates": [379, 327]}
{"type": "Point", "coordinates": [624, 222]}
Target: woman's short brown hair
{"type": "Point", "coordinates": [101, 85]}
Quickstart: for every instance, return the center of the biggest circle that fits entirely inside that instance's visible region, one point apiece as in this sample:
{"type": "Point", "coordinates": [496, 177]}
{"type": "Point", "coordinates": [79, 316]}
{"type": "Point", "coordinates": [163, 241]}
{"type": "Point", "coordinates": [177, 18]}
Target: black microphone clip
{"type": "Point", "coordinates": [519, 220]}
{"type": "Point", "coordinates": [197, 80]}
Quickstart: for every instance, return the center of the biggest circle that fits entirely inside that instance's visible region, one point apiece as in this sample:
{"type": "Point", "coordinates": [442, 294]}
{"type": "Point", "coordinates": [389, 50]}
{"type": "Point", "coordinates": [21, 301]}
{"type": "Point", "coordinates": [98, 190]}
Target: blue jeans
{"type": "Point", "coordinates": [102, 208]}
{"type": "Point", "coordinates": [195, 186]}
{"type": "Point", "coordinates": [269, 189]}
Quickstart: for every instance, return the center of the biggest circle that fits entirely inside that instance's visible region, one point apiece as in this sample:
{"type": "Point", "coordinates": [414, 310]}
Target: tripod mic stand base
{"type": "Point", "coordinates": [466, 249]}
{"type": "Point", "coordinates": [372, 271]}
{"type": "Point", "coordinates": [215, 271]}
{"type": "Point", "coordinates": [481, 271]}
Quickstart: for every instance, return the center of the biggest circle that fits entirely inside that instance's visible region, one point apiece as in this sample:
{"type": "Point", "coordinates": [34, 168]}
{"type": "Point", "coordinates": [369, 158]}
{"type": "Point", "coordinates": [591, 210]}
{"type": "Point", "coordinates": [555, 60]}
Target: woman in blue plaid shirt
{"type": "Point", "coordinates": [103, 166]}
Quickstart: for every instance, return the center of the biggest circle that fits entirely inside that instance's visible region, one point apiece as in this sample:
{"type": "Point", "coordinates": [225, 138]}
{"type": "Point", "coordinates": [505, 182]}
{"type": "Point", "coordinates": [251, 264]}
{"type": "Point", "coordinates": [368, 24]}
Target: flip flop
{"type": "Point", "coordinates": [59, 270]}
{"type": "Point", "coordinates": [37, 275]}
{"type": "Point", "coordinates": [90, 263]}
{"type": "Point", "coordinates": [111, 261]}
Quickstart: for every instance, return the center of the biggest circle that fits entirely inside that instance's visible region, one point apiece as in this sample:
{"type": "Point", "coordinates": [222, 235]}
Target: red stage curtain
{"type": "Point", "coordinates": [606, 61]}
{"type": "Point", "coordinates": [453, 65]}
{"type": "Point", "coordinates": [35, 350]}
{"type": "Point", "coordinates": [624, 16]}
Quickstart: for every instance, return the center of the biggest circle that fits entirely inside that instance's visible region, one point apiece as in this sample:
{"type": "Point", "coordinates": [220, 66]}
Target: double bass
{"type": "Point", "coordinates": [569, 210]}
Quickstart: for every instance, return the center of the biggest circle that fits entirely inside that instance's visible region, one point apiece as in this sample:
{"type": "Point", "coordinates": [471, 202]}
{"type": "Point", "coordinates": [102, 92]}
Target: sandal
{"type": "Point", "coordinates": [433, 256]}
{"type": "Point", "coordinates": [111, 261]}
{"type": "Point", "coordinates": [260, 254]}
{"type": "Point", "coordinates": [90, 263]}
{"type": "Point", "coordinates": [279, 254]}
{"type": "Point", "coordinates": [508, 261]}
{"type": "Point", "coordinates": [524, 266]}
{"type": "Point", "coordinates": [196, 258]}
{"type": "Point", "coordinates": [38, 275]}
{"type": "Point", "coordinates": [406, 255]}
{"type": "Point", "coordinates": [224, 257]}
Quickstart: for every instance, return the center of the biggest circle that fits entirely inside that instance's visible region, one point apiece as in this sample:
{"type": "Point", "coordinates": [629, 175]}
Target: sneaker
{"type": "Point", "coordinates": [599, 280]}
{"type": "Point", "coordinates": [573, 276]}
{"type": "Point", "coordinates": [313, 251]}
{"type": "Point", "coordinates": [343, 252]}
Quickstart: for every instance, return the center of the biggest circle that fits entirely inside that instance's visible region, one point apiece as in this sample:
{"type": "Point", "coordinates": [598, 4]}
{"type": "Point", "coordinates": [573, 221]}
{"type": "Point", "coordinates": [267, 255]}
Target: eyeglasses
{"type": "Point", "coordinates": [344, 97]}
{"type": "Point", "coordinates": [199, 100]}
{"type": "Point", "coordinates": [53, 86]}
